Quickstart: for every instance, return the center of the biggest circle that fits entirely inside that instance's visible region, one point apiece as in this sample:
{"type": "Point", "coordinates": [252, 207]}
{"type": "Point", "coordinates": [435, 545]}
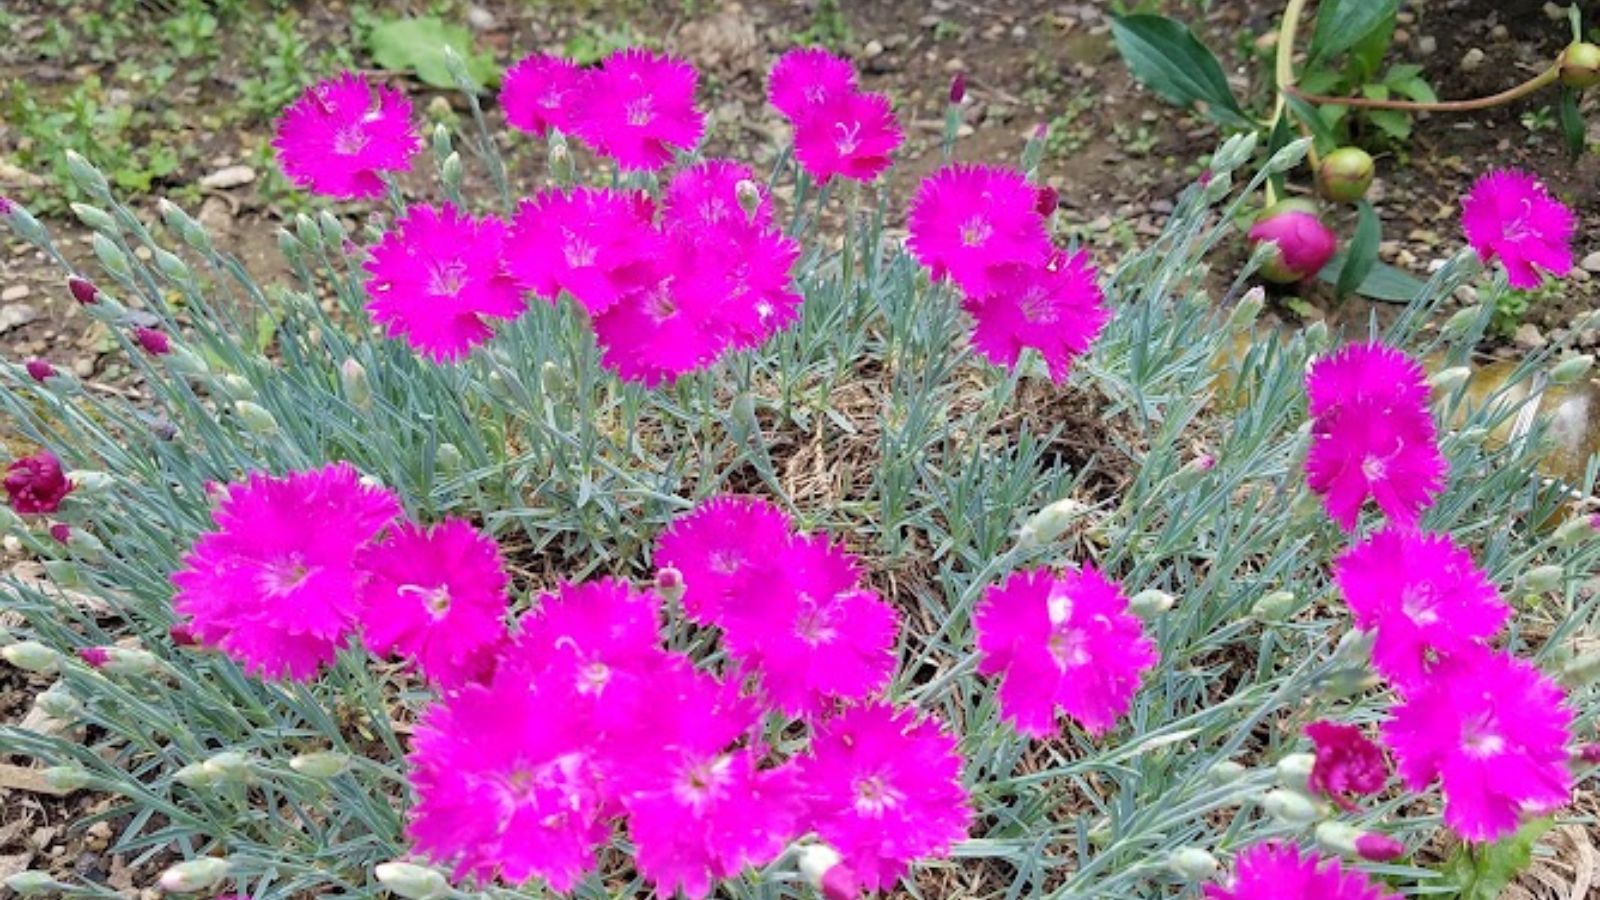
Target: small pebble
{"type": "Point", "coordinates": [1472, 61]}
{"type": "Point", "coordinates": [15, 292]}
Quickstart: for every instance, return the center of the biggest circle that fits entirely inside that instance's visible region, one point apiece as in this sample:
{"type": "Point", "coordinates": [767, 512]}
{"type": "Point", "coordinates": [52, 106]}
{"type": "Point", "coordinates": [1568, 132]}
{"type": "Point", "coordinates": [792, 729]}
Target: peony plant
{"type": "Point", "coordinates": [520, 549]}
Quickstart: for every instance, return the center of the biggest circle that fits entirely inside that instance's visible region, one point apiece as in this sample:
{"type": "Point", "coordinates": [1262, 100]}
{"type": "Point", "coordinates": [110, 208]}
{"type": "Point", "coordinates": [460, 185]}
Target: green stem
{"type": "Point", "coordinates": [1543, 79]}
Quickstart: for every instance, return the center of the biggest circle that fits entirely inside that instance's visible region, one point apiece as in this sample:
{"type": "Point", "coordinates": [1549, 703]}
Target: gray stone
{"type": "Point", "coordinates": [229, 177]}
{"type": "Point", "coordinates": [1528, 336]}
{"type": "Point", "coordinates": [16, 315]}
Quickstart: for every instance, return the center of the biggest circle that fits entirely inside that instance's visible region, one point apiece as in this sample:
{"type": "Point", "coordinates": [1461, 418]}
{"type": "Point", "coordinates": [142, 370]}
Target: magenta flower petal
{"type": "Point", "coordinates": [638, 109]}
{"type": "Point", "coordinates": [1365, 372]}
{"type": "Point", "coordinates": [1510, 216]}
{"type": "Point", "coordinates": [968, 218]}
{"type": "Point", "coordinates": [338, 139]}
{"type": "Point", "coordinates": [1056, 309]}
{"type": "Point", "coordinates": [805, 80]}
{"type": "Point", "coordinates": [36, 485]}
{"type": "Point", "coordinates": [543, 92]}
{"type": "Point", "coordinates": [592, 243]}
{"type": "Point", "coordinates": [1275, 871]}
{"type": "Point", "coordinates": [1347, 762]}
{"type": "Point", "coordinates": [851, 135]}
{"type": "Point", "coordinates": [721, 549]}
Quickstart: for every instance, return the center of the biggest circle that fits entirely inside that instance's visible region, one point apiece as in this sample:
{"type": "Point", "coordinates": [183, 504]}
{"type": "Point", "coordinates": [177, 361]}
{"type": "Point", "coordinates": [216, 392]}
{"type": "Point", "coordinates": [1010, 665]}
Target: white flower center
{"type": "Point", "coordinates": [349, 140]}
{"type": "Point", "coordinates": [874, 795]}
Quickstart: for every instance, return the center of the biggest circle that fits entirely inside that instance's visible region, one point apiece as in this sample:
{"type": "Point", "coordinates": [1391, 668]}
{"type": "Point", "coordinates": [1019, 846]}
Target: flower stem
{"type": "Point", "coordinates": [1543, 79]}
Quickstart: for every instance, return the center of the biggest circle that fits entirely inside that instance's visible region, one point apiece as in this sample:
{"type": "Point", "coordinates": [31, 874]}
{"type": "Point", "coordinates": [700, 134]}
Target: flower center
{"type": "Point", "coordinates": [874, 795]}
{"type": "Point", "coordinates": [447, 279]}
{"type": "Point", "coordinates": [1069, 647]}
{"type": "Point", "coordinates": [814, 625]}
{"type": "Point", "coordinates": [849, 138]}
{"type": "Point", "coordinates": [702, 782]}
{"type": "Point", "coordinates": [578, 252]}
{"type": "Point", "coordinates": [639, 112]}
{"type": "Point", "coordinates": [593, 678]}
{"type": "Point", "coordinates": [1419, 604]}
{"type": "Point", "coordinates": [1374, 468]}
{"type": "Point", "coordinates": [977, 230]}
{"type": "Point", "coordinates": [1480, 738]}
{"type": "Point", "coordinates": [726, 562]}
{"type": "Point", "coordinates": [285, 575]}
{"type": "Point", "coordinates": [659, 304]}
{"type": "Point", "coordinates": [349, 140]}
{"type": "Point", "coordinates": [1037, 308]}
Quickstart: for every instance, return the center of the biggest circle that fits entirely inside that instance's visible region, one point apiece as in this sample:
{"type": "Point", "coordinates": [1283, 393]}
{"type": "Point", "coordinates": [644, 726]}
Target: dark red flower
{"type": "Point", "coordinates": [36, 484]}
{"type": "Point", "coordinates": [1347, 762]}
{"type": "Point", "coordinates": [39, 370]}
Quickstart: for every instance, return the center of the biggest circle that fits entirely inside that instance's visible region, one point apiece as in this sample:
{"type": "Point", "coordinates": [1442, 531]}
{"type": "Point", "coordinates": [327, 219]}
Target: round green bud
{"type": "Point", "coordinates": [1345, 174]}
{"type": "Point", "coordinates": [1580, 65]}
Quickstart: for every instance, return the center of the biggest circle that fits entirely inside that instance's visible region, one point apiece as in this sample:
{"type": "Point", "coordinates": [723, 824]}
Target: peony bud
{"type": "Point", "coordinates": [1193, 864]}
{"type": "Point", "coordinates": [1289, 807]}
{"type": "Point", "coordinates": [357, 388]}
{"type": "Point", "coordinates": [194, 875]}
{"type": "Point", "coordinates": [1148, 604]}
{"type": "Point", "coordinates": [1450, 380]}
{"type": "Point", "coordinates": [1572, 369]}
{"type": "Point", "coordinates": [152, 341]}
{"type": "Point", "coordinates": [412, 881]}
{"type": "Point", "coordinates": [39, 370]}
{"type": "Point", "coordinates": [255, 417]}
{"type": "Point", "coordinates": [1303, 245]}
{"type": "Point", "coordinates": [324, 764]}
{"type": "Point", "coordinates": [33, 883]}
{"type": "Point", "coordinates": [1345, 174]}
{"type": "Point", "coordinates": [31, 656]}
{"type": "Point", "coordinates": [1274, 607]}
{"type": "Point", "coordinates": [67, 779]}
{"type": "Point", "coordinates": [1294, 772]}
{"type": "Point", "coordinates": [1580, 65]}
{"type": "Point", "coordinates": [669, 584]}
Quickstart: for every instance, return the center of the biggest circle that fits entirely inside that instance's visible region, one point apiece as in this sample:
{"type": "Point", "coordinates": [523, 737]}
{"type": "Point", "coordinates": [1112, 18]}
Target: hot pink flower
{"type": "Point", "coordinates": [1347, 763]}
{"type": "Point", "coordinates": [702, 201]}
{"type": "Point", "coordinates": [436, 276]}
{"type": "Point", "coordinates": [336, 140]}
{"type": "Point", "coordinates": [639, 107]}
{"type": "Point", "coordinates": [594, 244]}
{"type": "Point", "coordinates": [39, 370]}
{"type": "Point", "coordinates": [1274, 871]}
{"type": "Point", "coordinates": [274, 584]}
{"type": "Point", "coordinates": [968, 218]}
{"type": "Point", "coordinates": [1304, 244]}
{"type": "Point", "coordinates": [1510, 216]}
{"type": "Point", "coordinates": [437, 596]}
{"type": "Point", "coordinates": [542, 92]}
{"type": "Point", "coordinates": [1056, 309]}
{"type": "Point", "coordinates": [1065, 641]}
{"type": "Point", "coordinates": [805, 80]}
{"type": "Point", "coordinates": [1423, 595]}
{"type": "Point", "coordinates": [721, 548]}
{"type": "Point", "coordinates": [884, 789]}
{"type": "Point", "coordinates": [506, 786]}
{"type": "Point", "coordinates": [1366, 372]}
{"type": "Point", "coordinates": [698, 809]}
{"type": "Point", "coordinates": [657, 333]}
{"type": "Point", "coordinates": [1494, 730]}
{"type": "Point", "coordinates": [1372, 449]}
{"type": "Point", "coordinates": [744, 281]}
{"type": "Point", "coordinates": [814, 635]}
{"type": "Point", "coordinates": [851, 135]}
{"type": "Point", "coordinates": [36, 484]}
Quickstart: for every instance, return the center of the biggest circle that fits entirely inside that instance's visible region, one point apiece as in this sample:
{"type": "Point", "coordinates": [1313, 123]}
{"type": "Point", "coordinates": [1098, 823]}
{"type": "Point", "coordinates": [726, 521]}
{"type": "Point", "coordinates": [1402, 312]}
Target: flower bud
{"type": "Point", "coordinates": [1234, 152]}
{"type": "Point", "coordinates": [1047, 524]}
{"type": "Point", "coordinates": [182, 635]}
{"type": "Point", "coordinates": [58, 703]}
{"type": "Point", "coordinates": [1192, 471]}
{"type": "Point", "coordinates": [1543, 579]}
{"type": "Point", "coordinates": [1572, 369]}
{"type": "Point", "coordinates": [255, 417]}
{"type": "Point", "coordinates": [1450, 380]}
{"type": "Point", "coordinates": [441, 140]}
{"type": "Point", "coordinates": [289, 246]}
{"type": "Point", "coordinates": [1193, 864]}
{"type": "Point", "coordinates": [822, 868]}
{"type": "Point", "coordinates": [958, 87]}
{"type": "Point", "coordinates": [31, 656]}
{"type": "Point", "coordinates": [235, 386]}
{"type": "Point", "coordinates": [1244, 314]}
{"type": "Point", "coordinates": [1317, 337]}
{"type": "Point", "coordinates": [1046, 200]}
{"type": "Point", "coordinates": [448, 456]}
{"type": "Point", "coordinates": [193, 875]}
{"type": "Point", "coordinates": [185, 362]}
{"type": "Point", "coordinates": [94, 217]}
{"type": "Point", "coordinates": [669, 584]}
{"type": "Point", "coordinates": [111, 256]}
{"type": "Point", "coordinates": [130, 661]}
{"type": "Point", "coordinates": [1374, 847]}
{"type": "Point", "coordinates": [1303, 245]}
{"type": "Point", "coordinates": [90, 481]}
{"type": "Point", "coordinates": [83, 290]}
{"type": "Point", "coordinates": [1150, 603]}
{"type": "Point", "coordinates": [1338, 837]}
{"type": "Point", "coordinates": [1274, 607]}
{"type": "Point", "coordinates": [325, 764]}
{"type": "Point", "coordinates": [39, 370]}
{"type": "Point", "coordinates": [183, 225]}
{"type": "Point", "coordinates": [1216, 187]}
{"type": "Point", "coordinates": [87, 176]}
{"type": "Point", "coordinates": [1289, 807]}
{"type": "Point", "coordinates": [227, 766]}
{"type": "Point", "coordinates": [1580, 65]}
{"type": "Point", "coordinates": [67, 779]}
{"type": "Point", "coordinates": [1289, 155]}
{"type": "Point", "coordinates": [305, 228]}
{"type": "Point", "coordinates": [195, 776]}
{"type": "Point", "coordinates": [172, 267]}
{"type": "Point", "coordinates": [412, 881]}
{"type": "Point", "coordinates": [1225, 772]}
{"type": "Point", "coordinates": [357, 388]}
{"type": "Point", "coordinates": [1345, 174]}
{"type": "Point", "coordinates": [332, 229]}
{"type": "Point", "coordinates": [559, 160]}
{"type": "Point", "coordinates": [1355, 646]}
{"type": "Point", "coordinates": [748, 196]}
{"type": "Point", "coordinates": [1460, 321]}
{"type": "Point", "coordinates": [1575, 531]}
{"type": "Point", "coordinates": [1294, 772]}
{"type": "Point", "coordinates": [33, 883]}
{"type": "Point", "coordinates": [153, 342]}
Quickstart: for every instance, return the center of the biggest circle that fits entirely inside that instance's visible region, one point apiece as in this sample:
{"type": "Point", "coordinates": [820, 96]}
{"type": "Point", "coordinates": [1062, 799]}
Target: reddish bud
{"type": "Point", "coordinates": [83, 291]}
{"type": "Point", "coordinates": [6, 205]}
{"type": "Point", "coordinates": [1041, 131]}
{"type": "Point", "coordinates": [61, 531]}
{"type": "Point", "coordinates": [1046, 200]}
{"type": "Point", "coordinates": [1379, 847]}
{"type": "Point", "coordinates": [1590, 753]}
{"type": "Point", "coordinates": [669, 584]}
{"type": "Point", "coordinates": [94, 657]}
{"type": "Point", "coordinates": [839, 883]}
{"type": "Point", "coordinates": [1205, 462]}
{"type": "Point", "coordinates": [183, 635]}
{"type": "Point", "coordinates": [39, 370]}
{"type": "Point", "coordinates": [958, 87]}
{"type": "Point", "coordinates": [154, 342]}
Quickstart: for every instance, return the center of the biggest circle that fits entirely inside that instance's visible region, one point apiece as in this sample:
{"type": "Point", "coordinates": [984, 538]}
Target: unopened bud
{"type": "Point", "coordinates": [305, 228]}
{"type": "Point", "coordinates": [33, 883]}
{"type": "Point", "coordinates": [87, 176]}
{"type": "Point", "coordinates": [1047, 524]}
{"type": "Point", "coordinates": [170, 265]}
{"type": "Point", "coordinates": [441, 141]}
{"type": "Point", "coordinates": [90, 482]}
{"type": "Point", "coordinates": [1225, 772]}
{"type": "Point", "coordinates": [1317, 337]}
{"type": "Point", "coordinates": [553, 380]}
{"type": "Point", "coordinates": [1338, 837]}
{"type": "Point", "coordinates": [1575, 531]}
{"type": "Point", "coordinates": [1290, 807]}
{"type": "Point", "coordinates": [67, 779]}
{"type": "Point", "coordinates": [83, 290]}
{"type": "Point", "coordinates": [227, 766]}
{"type": "Point", "coordinates": [1294, 772]}
{"type": "Point", "coordinates": [669, 584]}
{"type": "Point", "coordinates": [289, 246]}
{"type": "Point", "coordinates": [183, 225]}
{"type": "Point", "coordinates": [958, 87]}
{"type": "Point", "coordinates": [58, 703]}
{"type": "Point", "coordinates": [1374, 847]}
{"type": "Point", "coordinates": [448, 457]}
{"type": "Point", "coordinates": [195, 776]}
{"type": "Point", "coordinates": [1572, 369]}
{"type": "Point", "coordinates": [235, 387]}
{"type": "Point", "coordinates": [1289, 155]}
{"type": "Point", "coordinates": [153, 342]}
{"type": "Point", "coordinates": [182, 635]}
{"type": "Point", "coordinates": [1345, 174]}
{"type": "Point", "coordinates": [450, 171]}
{"type": "Point", "coordinates": [1274, 607]}
{"type": "Point", "coordinates": [412, 881]}
{"type": "Point", "coordinates": [1046, 200]}
{"type": "Point", "coordinates": [1461, 321]}
{"type": "Point", "coordinates": [31, 656]}
{"type": "Point", "coordinates": [325, 764]}
{"type": "Point", "coordinates": [1244, 314]}
{"type": "Point", "coordinates": [1193, 864]}
{"type": "Point", "coordinates": [748, 197]}
{"type": "Point", "coordinates": [332, 229]}
{"type": "Point", "coordinates": [194, 875]}
{"type": "Point", "coordinates": [357, 388]}
{"type": "Point", "coordinates": [186, 362]}
{"type": "Point", "coordinates": [1543, 579]}
{"type": "Point", "coordinates": [130, 661]}
{"type": "Point", "coordinates": [1192, 471]}
{"type": "Point", "coordinates": [1218, 186]}
{"type": "Point", "coordinates": [559, 160]}
{"type": "Point", "coordinates": [1580, 65]}
{"type": "Point", "coordinates": [1234, 152]}
{"type": "Point", "coordinates": [1148, 604]}
{"type": "Point", "coordinates": [94, 217]}
{"type": "Point", "coordinates": [111, 256]}
{"type": "Point", "coordinates": [1355, 646]}
{"type": "Point", "coordinates": [255, 417]}
{"type": "Point", "coordinates": [822, 868]}
{"type": "Point", "coordinates": [1450, 380]}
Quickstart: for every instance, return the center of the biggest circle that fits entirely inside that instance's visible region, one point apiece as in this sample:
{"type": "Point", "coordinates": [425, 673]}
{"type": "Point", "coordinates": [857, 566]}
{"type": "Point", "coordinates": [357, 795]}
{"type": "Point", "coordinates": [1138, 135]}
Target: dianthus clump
{"type": "Point", "coordinates": [275, 583]}
{"type": "Point", "coordinates": [342, 140]}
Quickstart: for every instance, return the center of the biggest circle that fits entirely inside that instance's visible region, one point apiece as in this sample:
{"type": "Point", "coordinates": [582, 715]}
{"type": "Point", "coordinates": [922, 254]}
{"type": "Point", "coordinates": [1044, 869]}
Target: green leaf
{"type": "Point", "coordinates": [1384, 282]}
{"type": "Point", "coordinates": [1170, 60]}
{"type": "Point", "coordinates": [1342, 24]}
{"type": "Point", "coordinates": [1483, 872]}
{"type": "Point", "coordinates": [418, 46]}
{"type": "Point", "coordinates": [1571, 120]}
{"type": "Point", "coordinates": [1362, 252]}
{"type": "Point", "coordinates": [1394, 123]}
{"type": "Point", "coordinates": [1312, 118]}
{"type": "Point", "coordinates": [1406, 81]}
{"type": "Point", "coordinates": [1367, 55]}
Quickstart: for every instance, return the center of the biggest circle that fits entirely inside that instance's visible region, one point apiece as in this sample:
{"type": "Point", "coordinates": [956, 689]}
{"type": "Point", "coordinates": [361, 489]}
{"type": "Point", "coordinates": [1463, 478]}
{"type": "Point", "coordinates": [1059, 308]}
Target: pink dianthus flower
{"type": "Point", "coordinates": [1510, 216]}
{"type": "Point", "coordinates": [1366, 372]}
{"type": "Point", "coordinates": [1424, 597]}
{"type": "Point", "coordinates": [701, 201]}
{"type": "Point", "coordinates": [1371, 449]}
{"type": "Point", "coordinates": [1494, 731]}
{"type": "Point", "coordinates": [337, 141]}
{"type": "Point", "coordinates": [851, 135]}
{"type": "Point", "coordinates": [639, 108]}
{"type": "Point", "coordinates": [1274, 871]}
{"type": "Point", "coordinates": [884, 790]}
{"type": "Point", "coordinates": [1348, 762]}
{"type": "Point", "coordinates": [436, 276]}
{"type": "Point", "coordinates": [436, 595]}
{"type": "Point", "coordinates": [274, 583]}
{"type": "Point", "coordinates": [722, 549]}
{"type": "Point", "coordinates": [1056, 309]}
{"type": "Point", "coordinates": [968, 218]}
{"type": "Point", "coordinates": [595, 244]}
{"type": "Point", "coordinates": [36, 485]}
{"type": "Point", "coordinates": [543, 92]}
{"type": "Point", "coordinates": [1066, 641]}
{"type": "Point", "coordinates": [804, 80]}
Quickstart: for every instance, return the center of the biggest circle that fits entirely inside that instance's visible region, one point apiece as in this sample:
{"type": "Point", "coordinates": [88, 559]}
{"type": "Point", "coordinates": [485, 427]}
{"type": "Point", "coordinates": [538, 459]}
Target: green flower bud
{"type": "Point", "coordinates": [1345, 174]}
{"type": "Point", "coordinates": [289, 246]}
{"type": "Point", "coordinates": [1582, 670]}
{"type": "Point", "coordinates": [111, 256]}
{"type": "Point", "coordinates": [33, 883]}
{"type": "Point", "coordinates": [1048, 523]}
{"type": "Point", "coordinates": [90, 482]}
{"type": "Point", "coordinates": [1289, 155]}
{"type": "Point", "coordinates": [227, 766]}
{"type": "Point", "coordinates": [412, 881]}
{"type": "Point", "coordinates": [1294, 772]}
{"type": "Point", "coordinates": [235, 387]}
{"type": "Point", "coordinates": [1580, 65]}
{"type": "Point", "coordinates": [88, 177]}
{"type": "Point", "coordinates": [1289, 807]}
{"type": "Point", "coordinates": [1338, 837]}
{"type": "Point", "coordinates": [58, 703]}
{"type": "Point", "coordinates": [1317, 337]}
{"type": "Point", "coordinates": [441, 141]}
{"type": "Point", "coordinates": [749, 197]}
{"type": "Point", "coordinates": [553, 380]}
{"type": "Point", "coordinates": [131, 661]}
{"type": "Point", "coordinates": [67, 779]}
{"type": "Point", "coordinates": [450, 171]}
{"type": "Point", "coordinates": [1225, 772]}
{"type": "Point", "coordinates": [31, 656]}
{"type": "Point", "coordinates": [195, 776]}
{"type": "Point", "coordinates": [1575, 531]}
{"type": "Point", "coordinates": [172, 267]}
{"type": "Point", "coordinates": [332, 229]}
{"type": "Point", "coordinates": [1148, 604]}
{"type": "Point", "coordinates": [183, 225]}
{"type": "Point", "coordinates": [559, 160]}
{"type": "Point", "coordinates": [1244, 315]}
{"type": "Point", "coordinates": [1448, 381]}
{"type": "Point", "coordinates": [1572, 369]}
{"type": "Point", "coordinates": [194, 875]}
{"type": "Point", "coordinates": [1193, 864]}
{"type": "Point", "coordinates": [1274, 607]}
{"type": "Point", "coordinates": [95, 217]}
{"type": "Point", "coordinates": [255, 417]}
{"type": "Point", "coordinates": [186, 362]}
{"type": "Point", "coordinates": [1355, 646]}
{"type": "Point", "coordinates": [448, 457]}
{"type": "Point", "coordinates": [306, 230]}
{"type": "Point", "coordinates": [1234, 152]}
{"type": "Point", "coordinates": [1219, 186]}
{"type": "Point", "coordinates": [1543, 579]}
{"type": "Point", "coordinates": [1461, 321]}
{"type": "Point", "coordinates": [357, 388]}
{"type": "Point", "coordinates": [325, 764]}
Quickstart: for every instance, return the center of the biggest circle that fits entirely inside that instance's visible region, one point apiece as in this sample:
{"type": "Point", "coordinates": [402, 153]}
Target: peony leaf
{"type": "Point", "coordinates": [418, 45]}
{"type": "Point", "coordinates": [1166, 57]}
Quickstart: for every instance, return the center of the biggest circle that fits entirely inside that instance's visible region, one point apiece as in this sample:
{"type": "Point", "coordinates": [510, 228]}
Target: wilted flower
{"type": "Point", "coordinates": [1494, 731]}
{"type": "Point", "coordinates": [850, 135]}
{"type": "Point", "coordinates": [639, 107]}
{"type": "Point", "coordinates": [1274, 871]}
{"type": "Point", "coordinates": [541, 92]}
{"type": "Point", "coordinates": [805, 80]}
{"type": "Point", "coordinates": [1424, 597]}
{"type": "Point", "coordinates": [968, 218]}
{"type": "Point", "coordinates": [1303, 244]}
{"type": "Point", "coordinates": [1347, 762]}
{"type": "Point", "coordinates": [1066, 641]}
{"type": "Point", "coordinates": [36, 485]}
{"type": "Point", "coordinates": [1056, 309]}
{"type": "Point", "coordinates": [1510, 216]}
{"type": "Point", "coordinates": [339, 140]}
{"type": "Point", "coordinates": [436, 595]}
{"type": "Point", "coordinates": [884, 790]}
{"type": "Point", "coordinates": [437, 276]}
{"type": "Point", "coordinates": [274, 583]}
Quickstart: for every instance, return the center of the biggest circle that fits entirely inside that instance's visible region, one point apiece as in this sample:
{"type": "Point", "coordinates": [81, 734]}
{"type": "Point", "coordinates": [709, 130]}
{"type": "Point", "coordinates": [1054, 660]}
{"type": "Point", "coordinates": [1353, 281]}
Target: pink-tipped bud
{"type": "Point", "coordinates": [1205, 462]}
{"type": "Point", "coordinates": [1303, 244]}
{"type": "Point", "coordinates": [83, 290]}
{"type": "Point", "coordinates": [154, 342]}
{"type": "Point", "coordinates": [669, 584]}
{"type": "Point", "coordinates": [1205, 177]}
{"type": "Point", "coordinates": [1379, 847]}
{"type": "Point", "coordinates": [183, 635]}
{"type": "Point", "coordinates": [95, 657]}
{"type": "Point", "coordinates": [822, 867]}
{"type": "Point", "coordinates": [6, 205]}
{"type": "Point", "coordinates": [958, 87]}
{"type": "Point", "coordinates": [39, 370]}
{"type": "Point", "coordinates": [1590, 753]}
{"type": "Point", "coordinates": [61, 531]}
{"type": "Point", "coordinates": [1045, 201]}
{"type": "Point", "coordinates": [1041, 131]}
